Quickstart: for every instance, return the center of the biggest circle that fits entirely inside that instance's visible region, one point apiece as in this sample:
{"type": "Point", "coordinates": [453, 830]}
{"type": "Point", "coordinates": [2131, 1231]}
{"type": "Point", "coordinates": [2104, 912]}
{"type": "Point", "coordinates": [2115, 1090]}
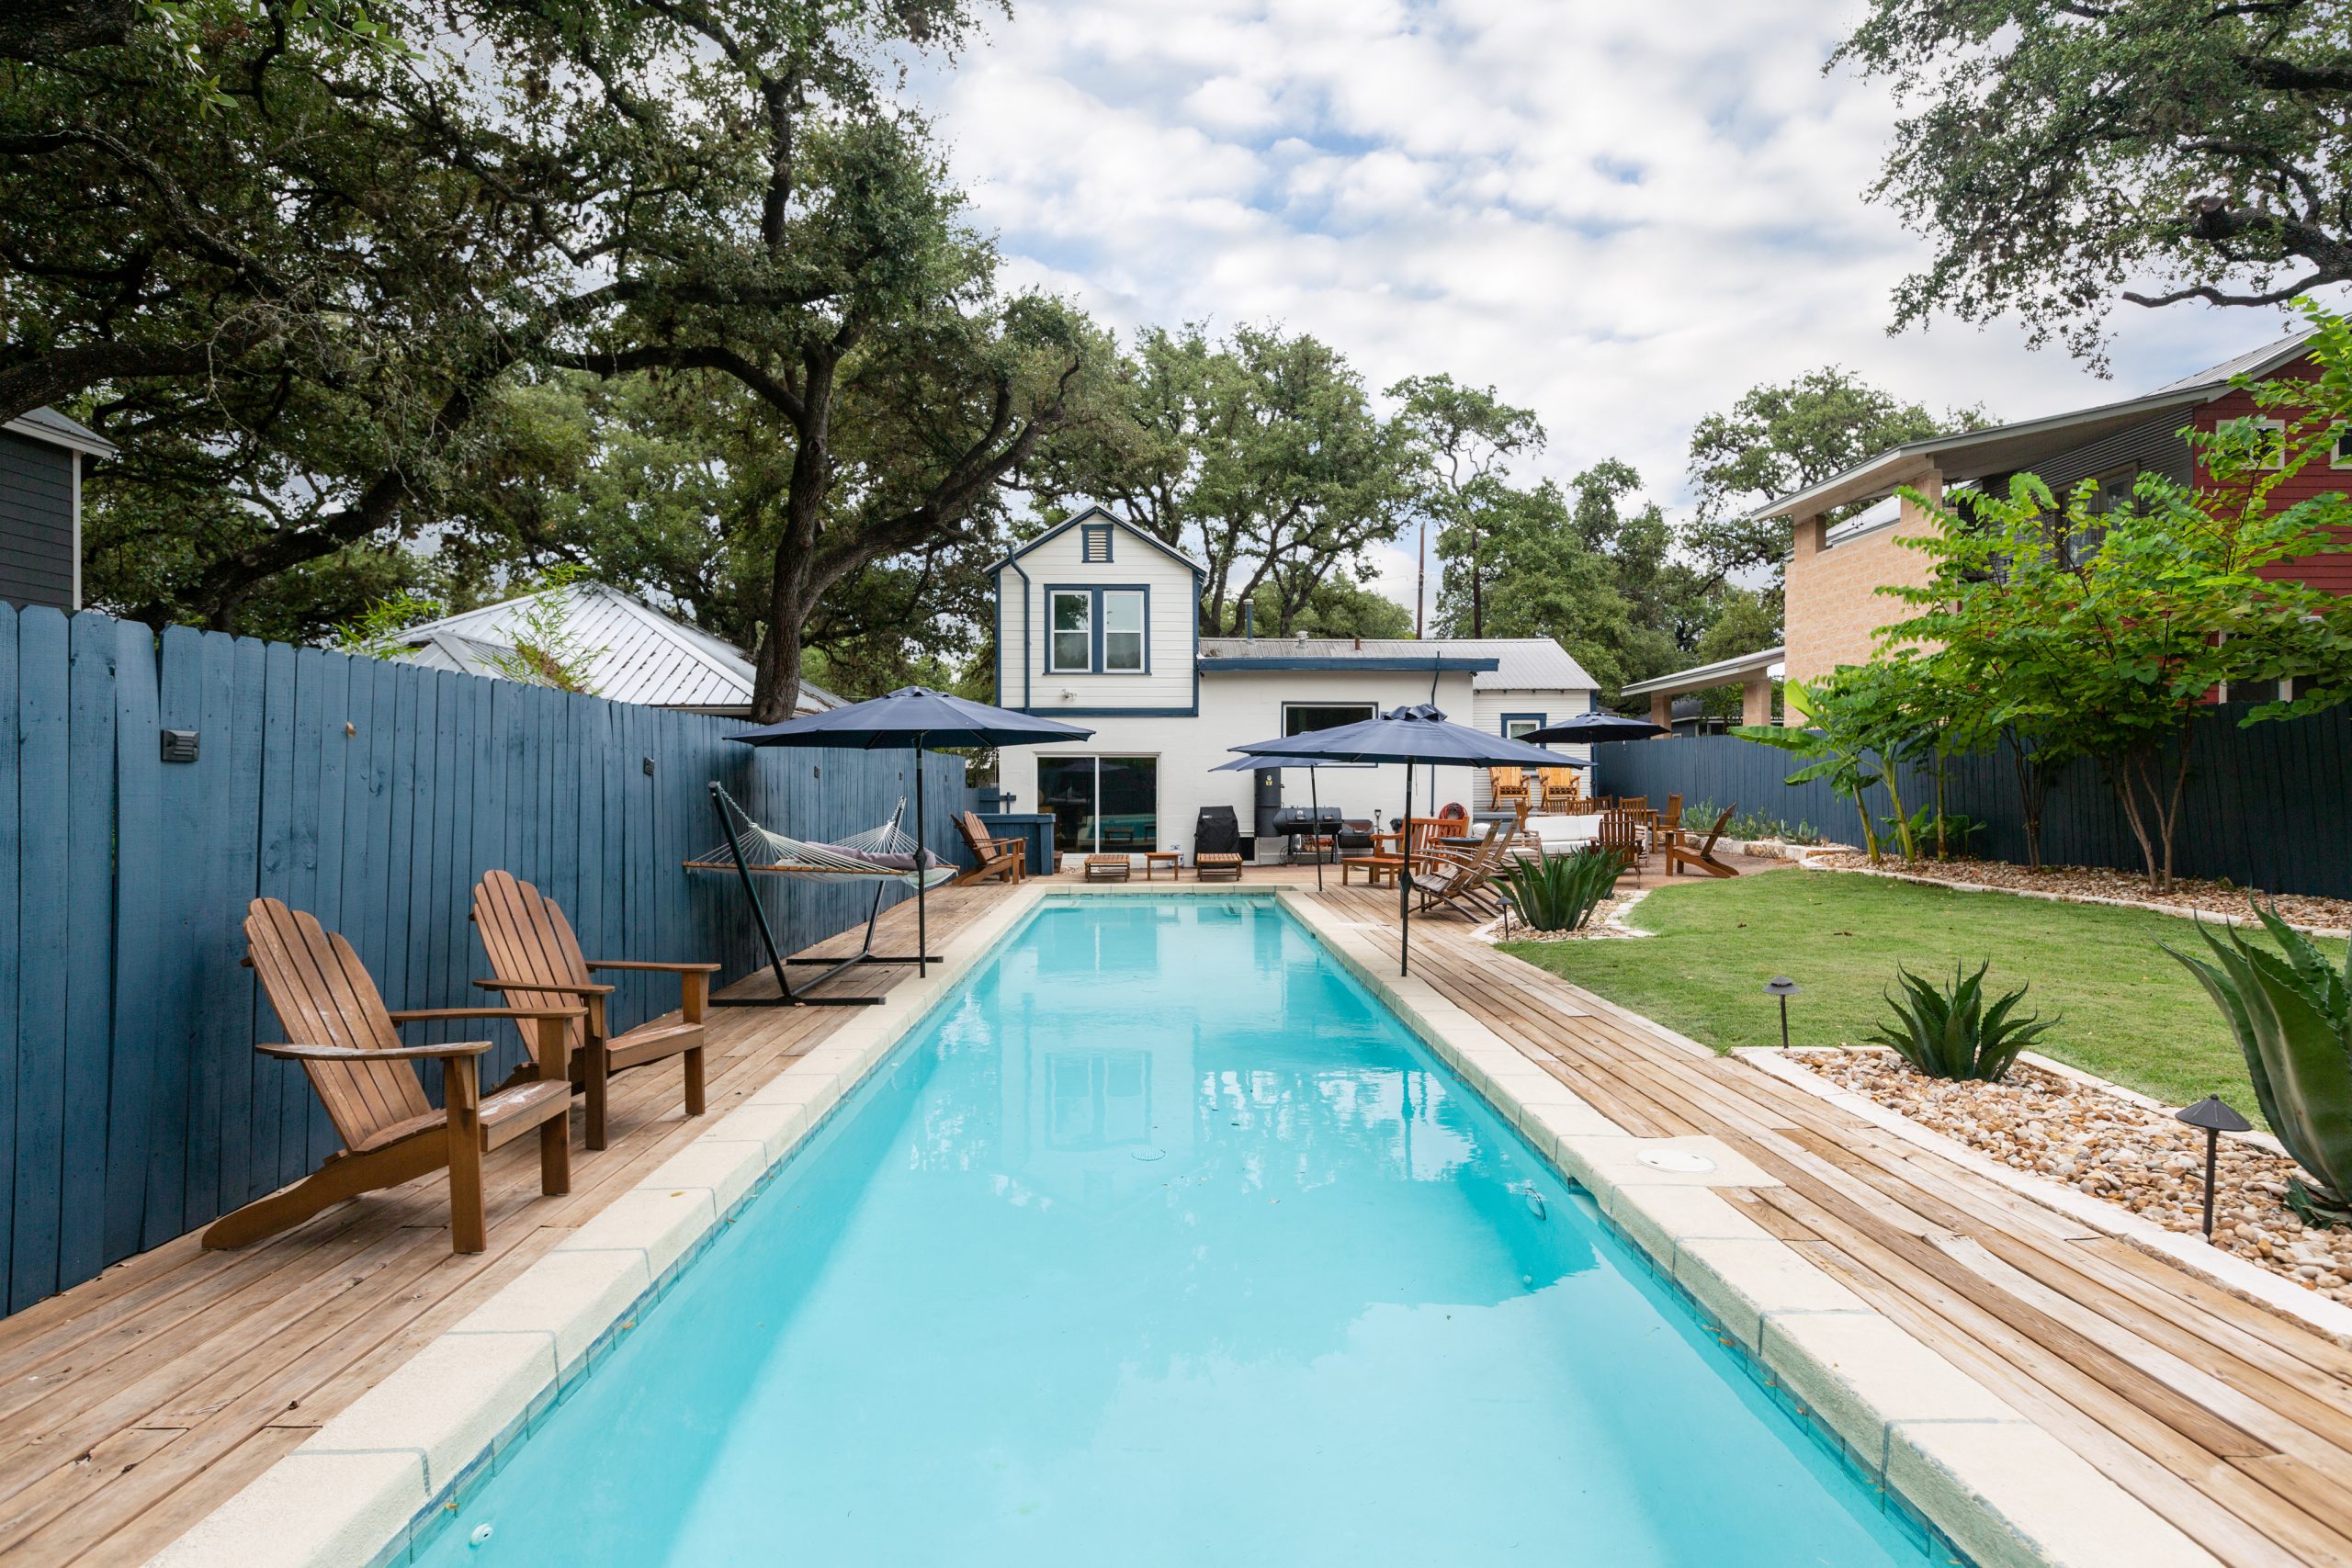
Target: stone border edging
{"type": "Point", "coordinates": [2003, 1489]}
{"type": "Point", "coordinates": [382, 1476]}
{"type": "Point", "coordinates": [2241, 1278]}
{"type": "Point", "coordinates": [1804, 863]}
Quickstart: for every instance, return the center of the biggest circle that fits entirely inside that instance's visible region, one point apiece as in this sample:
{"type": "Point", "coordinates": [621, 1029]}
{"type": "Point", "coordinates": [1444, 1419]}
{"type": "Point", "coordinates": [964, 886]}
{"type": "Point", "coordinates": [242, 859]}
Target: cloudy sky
{"type": "Point", "coordinates": [1623, 215]}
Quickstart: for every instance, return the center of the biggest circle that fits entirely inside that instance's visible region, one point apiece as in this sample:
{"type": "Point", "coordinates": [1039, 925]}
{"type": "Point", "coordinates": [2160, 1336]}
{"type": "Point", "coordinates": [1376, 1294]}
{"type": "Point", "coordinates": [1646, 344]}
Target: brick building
{"type": "Point", "coordinates": [1836, 568]}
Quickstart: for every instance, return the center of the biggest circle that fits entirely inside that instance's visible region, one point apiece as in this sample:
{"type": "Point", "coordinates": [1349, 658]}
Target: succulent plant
{"type": "Point", "coordinates": [2292, 1012]}
{"type": "Point", "coordinates": [1948, 1033]}
{"type": "Point", "coordinates": [1558, 893]}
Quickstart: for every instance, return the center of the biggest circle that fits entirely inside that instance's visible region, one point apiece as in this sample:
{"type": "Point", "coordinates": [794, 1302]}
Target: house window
{"type": "Point", "coordinates": [1299, 718]}
{"type": "Point", "coordinates": [1094, 544]}
{"type": "Point", "coordinates": [2340, 454]}
{"type": "Point", "coordinates": [1101, 805]}
{"type": "Point", "coordinates": [1516, 725]}
{"type": "Point", "coordinates": [1123, 634]}
{"type": "Point", "coordinates": [1071, 617]}
{"type": "Point", "coordinates": [2271, 437]}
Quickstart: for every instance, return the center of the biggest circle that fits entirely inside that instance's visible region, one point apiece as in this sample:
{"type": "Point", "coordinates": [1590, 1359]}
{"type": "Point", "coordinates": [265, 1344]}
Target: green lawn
{"type": "Point", "coordinates": [2130, 1013]}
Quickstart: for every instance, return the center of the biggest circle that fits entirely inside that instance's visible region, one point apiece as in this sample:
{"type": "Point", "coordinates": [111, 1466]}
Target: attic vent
{"type": "Point", "coordinates": [1094, 543]}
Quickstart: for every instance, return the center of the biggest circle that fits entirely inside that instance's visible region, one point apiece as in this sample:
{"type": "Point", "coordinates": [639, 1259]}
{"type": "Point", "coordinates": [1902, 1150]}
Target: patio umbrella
{"type": "Point", "coordinates": [1595, 726]}
{"type": "Point", "coordinates": [1253, 764]}
{"type": "Point", "coordinates": [916, 717]}
{"type": "Point", "coordinates": [1410, 735]}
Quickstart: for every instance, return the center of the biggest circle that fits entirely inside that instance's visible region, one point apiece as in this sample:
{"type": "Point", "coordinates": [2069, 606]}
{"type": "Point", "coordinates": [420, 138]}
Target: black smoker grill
{"type": "Point", "coordinates": [1296, 822]}
{"type": "Point", "coordinates": [1215, 832]}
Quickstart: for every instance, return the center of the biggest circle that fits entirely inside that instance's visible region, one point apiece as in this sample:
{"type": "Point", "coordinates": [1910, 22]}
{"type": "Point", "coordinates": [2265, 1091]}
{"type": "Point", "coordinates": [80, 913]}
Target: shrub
{"type": "Point", "coordinates": [2293, 1017]}
{"type": "Point", "coordinates": [1558, 893]}
{"type": "Point", "coordinates": [1948, 1033]}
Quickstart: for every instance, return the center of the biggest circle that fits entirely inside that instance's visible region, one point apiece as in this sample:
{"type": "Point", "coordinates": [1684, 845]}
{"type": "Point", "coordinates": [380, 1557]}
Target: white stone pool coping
{"type": "Point", "coordinates": [2002, 1488]}
{"type": "Point", "coordinates": [2248, 1281]}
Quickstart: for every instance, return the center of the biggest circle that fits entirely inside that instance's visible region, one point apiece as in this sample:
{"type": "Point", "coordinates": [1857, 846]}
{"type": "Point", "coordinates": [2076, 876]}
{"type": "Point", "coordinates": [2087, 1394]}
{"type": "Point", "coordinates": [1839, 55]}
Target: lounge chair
{"type": "Point", "coordinates": [1467, 882]}
{"type": "Point", "coordinates": [992, 856]}
{"type": "Point", "coordinates": [534, 954]}
{"type": "Point", "coordinates": [350, 1047]}
{"type": "Point", "coordinates": [1702, 858]}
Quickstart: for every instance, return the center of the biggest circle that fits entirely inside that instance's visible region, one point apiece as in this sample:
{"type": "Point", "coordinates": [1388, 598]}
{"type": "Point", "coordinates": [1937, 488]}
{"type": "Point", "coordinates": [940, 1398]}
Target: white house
{"type": "Point", "coordinates": [630, 651]}
{"type": "Point", "coordinates": [1096, 623]}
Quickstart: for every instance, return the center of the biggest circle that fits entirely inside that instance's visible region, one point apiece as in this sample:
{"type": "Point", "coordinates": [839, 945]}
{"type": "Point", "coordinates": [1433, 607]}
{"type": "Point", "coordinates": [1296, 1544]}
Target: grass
{"type": "Point", "coordinates": [2130, 1013]}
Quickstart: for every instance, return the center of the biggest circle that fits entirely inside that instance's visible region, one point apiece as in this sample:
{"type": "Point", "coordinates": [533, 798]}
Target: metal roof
{"type": "Point", "coordinates": [636, 654]}
{"type": "Point", "coordinates": [47, 426]}
{"type": "Point", "coordinates": [2004, 448]}
{"type": "Point", "coordinates": [1532, 663]}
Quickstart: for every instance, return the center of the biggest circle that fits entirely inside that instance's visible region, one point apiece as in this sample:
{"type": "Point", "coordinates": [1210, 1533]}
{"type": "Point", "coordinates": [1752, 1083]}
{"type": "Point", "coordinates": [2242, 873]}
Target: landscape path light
{"type": "Point", "coordinates": [1781, 986]}
{"type": "Point", "coordinates": [2214, 1115]}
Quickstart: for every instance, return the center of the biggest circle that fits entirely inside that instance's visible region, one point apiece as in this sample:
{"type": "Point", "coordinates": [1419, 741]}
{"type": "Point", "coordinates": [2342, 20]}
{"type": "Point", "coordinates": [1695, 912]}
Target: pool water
{"type": "Point", "coordinates": [1163, 1241]}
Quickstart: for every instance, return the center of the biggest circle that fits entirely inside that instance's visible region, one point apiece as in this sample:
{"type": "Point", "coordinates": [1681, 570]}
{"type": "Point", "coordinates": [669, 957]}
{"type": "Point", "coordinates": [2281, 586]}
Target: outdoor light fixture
{"type": "Point", "coordinates": [1781, 986]}
{"type": "Point", "coordinates": [2214, 1115]}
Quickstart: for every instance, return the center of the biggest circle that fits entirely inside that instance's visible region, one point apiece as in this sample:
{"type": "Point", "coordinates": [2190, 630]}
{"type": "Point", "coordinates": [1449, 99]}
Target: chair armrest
{"type": "Point", "coordinates": [560, 987]}
{"type": "Point", "coordinates": [352, 1053]}
{"type": "Point", "coordinates": [640, 963]}
{"type": "Point", "coordinates": [422, 1015]}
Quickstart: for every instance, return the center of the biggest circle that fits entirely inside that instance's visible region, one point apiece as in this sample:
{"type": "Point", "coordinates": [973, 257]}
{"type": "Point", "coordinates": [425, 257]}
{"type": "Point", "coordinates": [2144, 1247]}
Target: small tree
{"type": "Point", "coordinates": [1836, 741]}
{"type": "Point", "coordinates": [2114, 628]}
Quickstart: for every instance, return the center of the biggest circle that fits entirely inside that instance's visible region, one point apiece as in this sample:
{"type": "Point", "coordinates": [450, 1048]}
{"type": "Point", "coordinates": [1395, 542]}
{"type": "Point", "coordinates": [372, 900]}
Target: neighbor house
{"type": "Point", "coordinates": [1097, 622]}
{"type": "Point", "coordinates": [43, 455]}
{"type": "Point", "coordinates": [627, 650]}
{"type": "Point", "coordinates": [1835, 568]}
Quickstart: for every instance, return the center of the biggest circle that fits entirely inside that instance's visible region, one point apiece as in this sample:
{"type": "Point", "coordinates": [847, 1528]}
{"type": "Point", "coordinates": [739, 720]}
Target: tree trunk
{"type": "Point", "coordinates": [1478, 588]}
{"type": "Point", "coordinates": [2033, 793]}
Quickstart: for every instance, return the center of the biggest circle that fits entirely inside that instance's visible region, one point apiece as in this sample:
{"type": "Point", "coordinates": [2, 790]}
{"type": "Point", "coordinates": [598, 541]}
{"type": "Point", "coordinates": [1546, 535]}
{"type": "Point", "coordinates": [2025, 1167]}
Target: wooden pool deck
{"type": "Point", "coordinates": [135, 1404]}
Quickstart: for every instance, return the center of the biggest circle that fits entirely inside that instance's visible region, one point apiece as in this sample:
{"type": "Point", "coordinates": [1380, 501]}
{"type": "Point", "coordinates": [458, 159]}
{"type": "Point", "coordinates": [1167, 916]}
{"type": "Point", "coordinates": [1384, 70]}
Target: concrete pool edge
{"type": "Point", "coordinates": [382, 1475]}
{"type": "Point", "coordinates": [385, 1473]}
{"type": "Point", "coordinates": [2002, 1488]}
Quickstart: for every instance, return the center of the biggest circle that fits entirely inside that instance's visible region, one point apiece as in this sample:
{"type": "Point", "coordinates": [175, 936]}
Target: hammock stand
{"type": "Point", "coordinates": [815, 862]}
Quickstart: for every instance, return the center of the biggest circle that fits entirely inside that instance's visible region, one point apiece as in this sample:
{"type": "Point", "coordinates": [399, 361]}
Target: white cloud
{"type": "Point", "coordinates": [1622, 216]}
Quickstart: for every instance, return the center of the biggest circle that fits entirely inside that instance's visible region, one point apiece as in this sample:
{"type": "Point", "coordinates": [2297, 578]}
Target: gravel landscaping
{"type": "Point", "coordinates": [2188, 896]}
{"type": "Point", "coordinates": [2115, 1149]}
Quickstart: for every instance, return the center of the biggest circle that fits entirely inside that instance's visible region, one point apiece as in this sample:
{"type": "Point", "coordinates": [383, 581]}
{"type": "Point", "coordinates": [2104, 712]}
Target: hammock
{"type": "Point", "coordinates": [883, 853]}
{"type": "Point", "coordinates": [886, 853]}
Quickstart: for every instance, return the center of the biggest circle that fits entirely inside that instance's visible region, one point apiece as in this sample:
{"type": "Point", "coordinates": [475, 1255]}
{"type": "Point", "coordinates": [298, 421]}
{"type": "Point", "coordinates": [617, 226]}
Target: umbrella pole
{"type": "Point", "coordinates": [1404, 882]}
{"type": "Point", "coordinates": [1314, 794]}
{"type": "Point", "coordinates": [923, 880]}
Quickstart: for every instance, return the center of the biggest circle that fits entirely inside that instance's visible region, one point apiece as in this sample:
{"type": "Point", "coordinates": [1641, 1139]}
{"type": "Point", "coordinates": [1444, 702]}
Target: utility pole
{"type": "Point", "coordinates": [1420, 578]}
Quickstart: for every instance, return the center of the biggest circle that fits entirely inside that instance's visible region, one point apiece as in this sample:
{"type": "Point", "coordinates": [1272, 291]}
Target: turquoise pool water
{"type": "Point", "coordinates": [1161, 1242]}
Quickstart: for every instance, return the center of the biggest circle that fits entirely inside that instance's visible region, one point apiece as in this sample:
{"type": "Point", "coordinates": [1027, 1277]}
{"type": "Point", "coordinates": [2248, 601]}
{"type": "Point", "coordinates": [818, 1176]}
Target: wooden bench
{"type": "Point", "coordinates": [1107, 868]}
{"type": "Point", "coordinates": [1216, 867]}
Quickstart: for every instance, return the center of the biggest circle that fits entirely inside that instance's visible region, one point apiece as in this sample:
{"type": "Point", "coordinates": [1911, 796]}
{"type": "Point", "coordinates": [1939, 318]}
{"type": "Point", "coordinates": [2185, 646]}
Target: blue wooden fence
{"type": "Point", "coordinates": [2268, 806]}
{"type": "Point", "coordinates": [132, 1105]}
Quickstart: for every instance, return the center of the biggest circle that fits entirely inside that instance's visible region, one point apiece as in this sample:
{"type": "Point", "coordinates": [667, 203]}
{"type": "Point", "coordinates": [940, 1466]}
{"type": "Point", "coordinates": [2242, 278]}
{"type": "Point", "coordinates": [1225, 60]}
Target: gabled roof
{"type": "Point", "coordinates": [2005, 448]}
{"type": "Point", "coordinates": [1535, 664]}
{"type": "Point", "coordinates": [1100, 514]}
{"type": "Point", "coordinates": [46, 425]}
{"type": "Point", "coordinates": [636, 654]}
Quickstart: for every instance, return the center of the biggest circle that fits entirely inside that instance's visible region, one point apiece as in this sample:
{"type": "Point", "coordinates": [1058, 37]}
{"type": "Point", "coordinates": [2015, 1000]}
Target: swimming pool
{"type": "Point", "coordinates": [1162, 1242]}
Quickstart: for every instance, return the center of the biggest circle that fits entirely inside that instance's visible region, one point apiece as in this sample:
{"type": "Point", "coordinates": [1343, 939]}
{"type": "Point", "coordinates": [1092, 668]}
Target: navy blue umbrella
{"type": "Point", "coordinates": [1409, 735]}
{"type": "Point", "coordinates": [1587, 728]}
{"type": "Point", "coordinates": [1254, 764]}
{"type": "Point", "coordinates": [915, 718]}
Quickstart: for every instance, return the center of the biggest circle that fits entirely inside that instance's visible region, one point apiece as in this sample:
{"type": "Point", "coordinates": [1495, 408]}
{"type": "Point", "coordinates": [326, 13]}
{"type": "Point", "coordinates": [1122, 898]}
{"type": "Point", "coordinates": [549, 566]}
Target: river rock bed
{"type": "Point", "coordinates": [2138, 1158]}
{"type": "Point", "coordinates": [2188, 895]}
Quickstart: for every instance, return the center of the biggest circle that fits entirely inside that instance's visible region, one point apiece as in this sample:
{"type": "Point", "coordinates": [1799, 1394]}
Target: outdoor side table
{"type": "Point", "coordinates": [1172, 859]}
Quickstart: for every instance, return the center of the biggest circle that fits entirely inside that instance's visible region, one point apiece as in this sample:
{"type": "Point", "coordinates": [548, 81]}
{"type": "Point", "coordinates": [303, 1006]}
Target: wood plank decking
{"type": "Point", "coordinates": [138, 1402]}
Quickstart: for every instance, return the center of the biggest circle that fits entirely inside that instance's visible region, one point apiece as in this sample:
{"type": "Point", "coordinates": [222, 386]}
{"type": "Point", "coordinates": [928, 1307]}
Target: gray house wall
{"type": "Point", "coordinates": [36, 523]}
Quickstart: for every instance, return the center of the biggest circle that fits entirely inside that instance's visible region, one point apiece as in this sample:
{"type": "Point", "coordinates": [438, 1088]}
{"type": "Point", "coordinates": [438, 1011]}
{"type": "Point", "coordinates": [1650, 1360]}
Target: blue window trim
{"type": "Point", "coordinates": [1502, 725]}
{"type": "Point", "coordinates": [1094, 625]}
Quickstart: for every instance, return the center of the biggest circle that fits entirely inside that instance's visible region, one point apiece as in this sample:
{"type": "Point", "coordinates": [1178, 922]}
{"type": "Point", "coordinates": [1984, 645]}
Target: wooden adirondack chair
{"type": "Point", "coordinates": [533, 951]}
{"type": "Point", "coordinates": [1703, 857]}
{"type": "Point", "coordinates": [1005, 858]}
{"type": "Point", "coordinates": [351, 1048]}
{"type": "Point", "coordinates": [1561, 786]}
{"type": "Point", "coordinates": [1507, 786]}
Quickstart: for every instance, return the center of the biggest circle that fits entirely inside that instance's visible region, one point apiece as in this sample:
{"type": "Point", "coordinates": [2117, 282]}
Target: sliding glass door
{"type": "Point", "coordinates": [1101, 805]}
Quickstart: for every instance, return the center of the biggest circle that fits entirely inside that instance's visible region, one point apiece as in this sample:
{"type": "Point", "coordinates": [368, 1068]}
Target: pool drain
{"type": "Point", "coordinates": [1149, 1154]}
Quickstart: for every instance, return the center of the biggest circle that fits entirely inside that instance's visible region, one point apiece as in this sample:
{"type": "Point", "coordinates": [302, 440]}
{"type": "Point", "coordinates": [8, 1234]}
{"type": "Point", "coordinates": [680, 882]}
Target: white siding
{"type": "Point", "coordinates": [1056, 563]}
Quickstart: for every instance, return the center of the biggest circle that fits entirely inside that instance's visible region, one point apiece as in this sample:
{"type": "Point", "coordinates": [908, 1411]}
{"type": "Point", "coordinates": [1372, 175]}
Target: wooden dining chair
{"type": "Point", "coordinates": [350, 1049]}
{"type": "Point", "coordinates": [533, 953]}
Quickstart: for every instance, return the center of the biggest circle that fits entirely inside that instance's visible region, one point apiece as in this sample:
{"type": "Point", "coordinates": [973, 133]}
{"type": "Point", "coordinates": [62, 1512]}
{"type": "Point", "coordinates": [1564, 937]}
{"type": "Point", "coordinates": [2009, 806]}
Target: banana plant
{"type": "Point", "coordinates": [2291, 1013]}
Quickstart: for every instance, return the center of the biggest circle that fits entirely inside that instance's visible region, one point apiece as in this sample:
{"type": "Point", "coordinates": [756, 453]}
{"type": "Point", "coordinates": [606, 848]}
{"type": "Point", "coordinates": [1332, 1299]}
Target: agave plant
{"type": "Point", "coordinates": [1558, 893]}
{"type": "Point", "coordinates": [1948, 1033]}
{"type": "Point", "coordinates": [2292, 1016]}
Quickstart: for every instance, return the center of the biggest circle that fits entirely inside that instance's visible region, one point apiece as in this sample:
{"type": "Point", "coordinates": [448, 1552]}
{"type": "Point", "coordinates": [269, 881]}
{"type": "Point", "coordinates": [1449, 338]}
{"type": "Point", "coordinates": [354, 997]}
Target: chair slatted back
{"type": "Point", "coordinates": [1505, 782]}
{"type": "Point", "coordinates": [1716, 832]}
{"type": "Point", "coordinates": [1620, 830]}
{"type": "Point", "coordinates": [323, 995]}
{"type": "Point", "coordinates": [528, 940]}
{"type": "Point", "coordinates": [976, 836]}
